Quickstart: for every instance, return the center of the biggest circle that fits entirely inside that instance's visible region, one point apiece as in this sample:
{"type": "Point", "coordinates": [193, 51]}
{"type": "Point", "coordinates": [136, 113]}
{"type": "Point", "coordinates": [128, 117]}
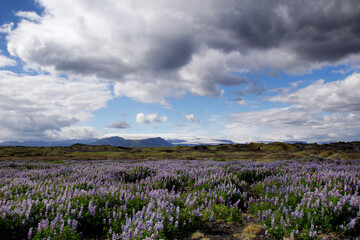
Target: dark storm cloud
{"type": "Point", "coordinates": [164, 42]}
{"type": "Point", "coordinates": [316, 30]}
{"type": "Point", "coordinates": [253, 24]}
{"type": "Point", "coordinates": [58, 56]}
{"type": "Point", "coordinates": [170, 54]}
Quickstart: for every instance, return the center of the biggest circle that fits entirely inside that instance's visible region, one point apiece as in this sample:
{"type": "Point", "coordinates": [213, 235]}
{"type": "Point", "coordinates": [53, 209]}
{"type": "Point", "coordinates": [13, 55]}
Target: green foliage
{"type": "Point", "coordinates": [252, 151]}
{"type": "Point", "coordinates": [252, 176]}
{"type": "Point", "coordinates": [66, 233]}
{"type": "Point", "coordinates": [219, 160]}
{"type": "Point", "coordinates": [229, 214]}
{"type": "Point", "coordinates": [110, 195]}
{"type": "Point", "coordinates": [137, 173]}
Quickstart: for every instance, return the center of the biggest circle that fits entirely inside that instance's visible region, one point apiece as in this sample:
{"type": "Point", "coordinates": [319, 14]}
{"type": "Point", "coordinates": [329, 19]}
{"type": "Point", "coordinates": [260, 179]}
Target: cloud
{"type": "Point", "coordinates": [191, 118]}
{"type": "Point", "coordinates": [293, 123]}
{"type": "Point", "coordinates": [121, 114]}
{"type": "Point", "coordinates": [74, 132]}
{"type": "Point", "coordinates": [150, 118]}
{"type": "Point", "coordinates": [207, 71]}
{"type": "Point", "coordinates": [326, 33]}
{"type": "Point", "coordinates": [253, 88]}
{"type": "Point", "coordinates": [164, 118]}
{"type": "Point", "coordinates": [31, 16]}
{"type": "Point", "coordinates": [6, 62]}
{"type": "Point", "coordinates": [273, 59]}
{"type": "Point", "coordinates": [239, 100]}
{"type": "Point", "coordinates": [154, 92]}
{"type": "Point", "coordinates": [319, 112]}
{"type": "Point", "coordinates": [119, 124]}
{"type": "Point", "coordinates": [183, 48]}
{"type": "Point", "coordinates": [31, 106]}
{"type": "Point", "coordinates": [6, 28]}
{"type": "Point", "coordinates": [337, 96]}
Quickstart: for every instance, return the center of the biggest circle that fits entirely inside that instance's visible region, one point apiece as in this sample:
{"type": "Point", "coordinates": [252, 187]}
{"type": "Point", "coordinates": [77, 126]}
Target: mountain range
{"type": "Point", "coordinates": [113, 141]}
{"type": "Point", "coordinates": [119, 141]}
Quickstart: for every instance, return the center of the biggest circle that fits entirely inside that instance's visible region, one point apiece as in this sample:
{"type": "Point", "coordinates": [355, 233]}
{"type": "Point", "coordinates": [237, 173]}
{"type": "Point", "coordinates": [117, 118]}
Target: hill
{"type": "Point", "coordinates": [105, 149]}
{"type": "Point", "coordinates": [112, 141]}
{"type": "Point", "coordinates": [119, 141]}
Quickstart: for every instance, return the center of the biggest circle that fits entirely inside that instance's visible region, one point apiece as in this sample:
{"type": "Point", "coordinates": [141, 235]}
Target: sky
{"type": "Point", "coordinates": [241, 70]}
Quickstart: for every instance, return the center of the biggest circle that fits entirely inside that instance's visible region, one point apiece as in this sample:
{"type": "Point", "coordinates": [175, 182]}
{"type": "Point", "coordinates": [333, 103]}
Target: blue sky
{"type": "Point", "coordinates": [240, 70]}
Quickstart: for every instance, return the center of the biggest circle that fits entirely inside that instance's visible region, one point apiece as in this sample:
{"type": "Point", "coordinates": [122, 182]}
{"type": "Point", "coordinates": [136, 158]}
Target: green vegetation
{"type": "Point", "coordinates": [252, 151]}
{"type": "Point", "coordinates": [308, 198]}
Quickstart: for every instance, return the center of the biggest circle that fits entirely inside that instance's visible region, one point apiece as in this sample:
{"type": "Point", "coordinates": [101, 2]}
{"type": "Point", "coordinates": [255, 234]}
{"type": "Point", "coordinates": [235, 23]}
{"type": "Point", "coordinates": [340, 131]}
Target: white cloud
{"type": "Point", "coordinates": [74, 132]}
{"type": "Point", "coordinates": [207, 71]}
{"type": "Point", "coordinates": [276, 59]}
{"type": "Point", "coordinates": [320, 112]}
{"type": "Point", "coordinates": [150, 118]}
{"type": "Point", "coordinates": [293, 123]}
{"type": "Point", "coordinates": [152, 92]}
{"type": "Point", "coordinates": [5, 61]}
{"type": "Point", "coordinates": [6, 28]}
{"type": "Point", "coordinates": [32, 16]}
{"type": "Point", "coordinates": [30, 106]}
{"type": "Point", "coordinates": [336, 96]}
{"type": "Point", "coordinates": [164, 118]}
{"type": "Point", "coordinates": [191, 118]}
{"type": "Point", "coordinates": [240, 101]}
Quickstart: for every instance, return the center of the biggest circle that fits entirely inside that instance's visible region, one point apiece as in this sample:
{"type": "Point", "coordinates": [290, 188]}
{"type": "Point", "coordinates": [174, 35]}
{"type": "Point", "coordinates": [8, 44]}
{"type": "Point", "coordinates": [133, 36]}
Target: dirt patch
{"type": "Point", "coordinates": [230, 231]}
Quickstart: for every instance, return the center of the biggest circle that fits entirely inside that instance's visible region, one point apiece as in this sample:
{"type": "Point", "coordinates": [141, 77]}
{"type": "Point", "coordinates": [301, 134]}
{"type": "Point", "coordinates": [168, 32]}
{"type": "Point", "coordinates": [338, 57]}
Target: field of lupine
{"type": "Point", "coordinates": [172, 199]}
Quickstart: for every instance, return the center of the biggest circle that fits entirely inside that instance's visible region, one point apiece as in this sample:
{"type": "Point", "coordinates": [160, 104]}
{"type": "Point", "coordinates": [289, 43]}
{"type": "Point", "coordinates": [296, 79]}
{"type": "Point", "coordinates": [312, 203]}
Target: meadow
{"type": "Point", "coordinates": [174, 199]}
{"type": "Point", "coordinates": [252, 151]}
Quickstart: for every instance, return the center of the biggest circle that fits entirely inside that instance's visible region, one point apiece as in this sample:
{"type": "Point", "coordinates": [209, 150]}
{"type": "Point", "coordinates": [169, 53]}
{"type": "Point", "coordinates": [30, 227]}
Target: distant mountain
{"type": "Point", "coordinates": [25, 144]}
{"type": "Point", "coordinates": [47, 143]}
{"type": "Point", "coordinates": [288, 142]}
{"type": "Point", "coordinates": [328, 142]}
{"type": "Point", "coordinates": [152, 142]}
{"type": "Point", "coordinates": [262, 142]}
{"type": "Point", "coordinates": [224, 141]}
{"type": "Point", "coordinates": [294, 142]}
{"type": "Point", "coordinates": [113, 141]}
{"type": "Point", "coordinates": [119, 141]}
{"type": "Point", "coordinates": [199, 141]}
{"type": "Point", "coordinates": [176, 141]}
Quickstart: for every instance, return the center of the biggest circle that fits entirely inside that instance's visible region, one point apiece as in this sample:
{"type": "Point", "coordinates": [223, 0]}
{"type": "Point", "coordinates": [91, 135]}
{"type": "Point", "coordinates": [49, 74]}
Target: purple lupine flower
{"type": "Point", "coordinates": [30, 232]}
{"type": "Point", "coordinates": [211, 216]}
{"type": "Point", "coordinates": [74, 224]}
{"type": "Point", "coordinates": [115, 236]}
{"type": "Point", "coordinates": [237, 203]}
{"type": "Point", "coordinates": [272, 221]}
{"type": "Point", "coordinates": [292, 236]}
{"type": "Point", "coordinates": [352, 223]}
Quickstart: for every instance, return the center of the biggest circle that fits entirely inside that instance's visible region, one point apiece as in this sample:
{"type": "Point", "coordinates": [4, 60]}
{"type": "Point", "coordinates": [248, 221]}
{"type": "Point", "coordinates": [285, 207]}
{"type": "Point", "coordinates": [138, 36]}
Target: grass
{"type": "Point", "coordinates": [222, 152]}
{"type": "Point", "coordinates": [197, 235]}
{"type": "Point", "coordinates": [251, 231]}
